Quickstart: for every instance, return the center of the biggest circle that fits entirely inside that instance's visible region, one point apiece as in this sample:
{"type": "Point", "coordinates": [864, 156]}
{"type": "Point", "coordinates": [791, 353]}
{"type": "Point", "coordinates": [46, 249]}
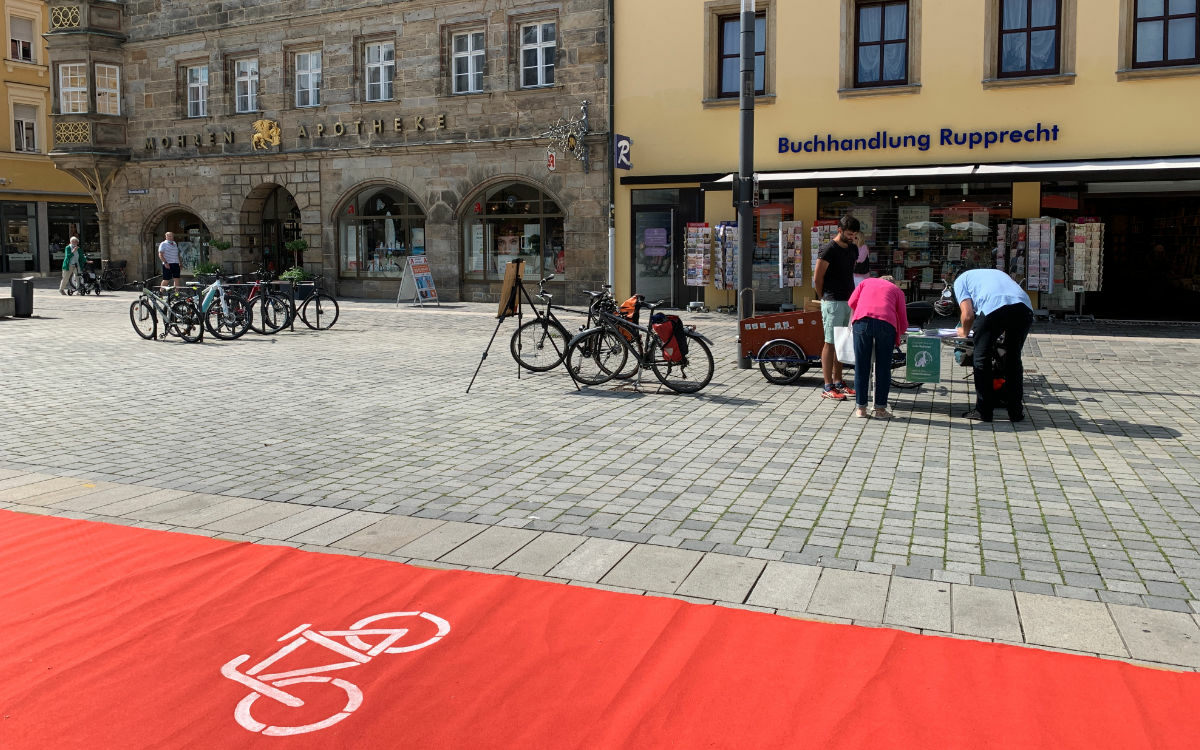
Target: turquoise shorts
{"type": "Point", "coordinates": [834, 314]}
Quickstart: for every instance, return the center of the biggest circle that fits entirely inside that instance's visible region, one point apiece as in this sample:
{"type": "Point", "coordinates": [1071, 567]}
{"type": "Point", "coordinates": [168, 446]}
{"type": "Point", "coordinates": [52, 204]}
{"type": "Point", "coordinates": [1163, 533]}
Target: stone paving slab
{"type": "Point", "coordinates": [389, 533]}
{"type": "Point", "coordinates": [850, 594]}
{"type": "Point", "coordinates": [490, 547]}
{"type": "Point", "coordinates": [591, 560]}
{"type": "Point", "coordinates": [650, 568]}
{"type": "Point", "coordinates": [985, 613]}
{"type": "Point", "coordinates": [1069, 624]}
{"type": "Point", "coordinates": [543, 552]}
{"type": "Point", "coordinates": [723, 578]}
{"type": "Point", "coordinates": [919, 604]}
{"type": "Point", "coordinates": [1156, 636]}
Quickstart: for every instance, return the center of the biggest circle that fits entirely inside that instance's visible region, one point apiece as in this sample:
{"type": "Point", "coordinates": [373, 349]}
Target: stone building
{"type": "Point", "coordinates": [471, 132]}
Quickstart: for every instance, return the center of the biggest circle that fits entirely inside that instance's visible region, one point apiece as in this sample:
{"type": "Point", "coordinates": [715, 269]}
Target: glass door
{"type": "Point", "coordinates": [654, 254]}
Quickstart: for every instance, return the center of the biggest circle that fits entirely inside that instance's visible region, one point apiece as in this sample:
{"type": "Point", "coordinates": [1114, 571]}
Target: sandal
{"type": "Point", "coordinates": [883, 414]}
{"type": "Point", "coordinates": [860, 413]}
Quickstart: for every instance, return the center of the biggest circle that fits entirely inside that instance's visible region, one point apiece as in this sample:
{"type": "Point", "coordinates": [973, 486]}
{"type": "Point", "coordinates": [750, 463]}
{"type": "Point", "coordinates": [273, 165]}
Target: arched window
{"type": "Point", "coordinates": [512, 221]}
{"type": "Point", "coordinates": [377, 230]}
{"type": "Point", "coordinates": [191, 235]}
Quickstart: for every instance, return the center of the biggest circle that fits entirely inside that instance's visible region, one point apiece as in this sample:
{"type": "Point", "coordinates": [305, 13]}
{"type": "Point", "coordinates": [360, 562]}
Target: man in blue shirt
{"type": "Point", "coordinates": [993, 304]}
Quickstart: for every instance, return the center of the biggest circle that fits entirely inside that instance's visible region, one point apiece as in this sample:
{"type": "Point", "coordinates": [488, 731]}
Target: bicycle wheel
{"type": "Point", "coordinates": [539, 344]}
{"type": "Point", "coordinates": [689, 374]}
{"type": "Point", "coordinates": [272, 313]}
{"type": "Point", "coordinates": [320, 311]}
{"type": "Point", "coordinates": [782, 362]}
{"type": "Point", "coordinates": [593, 358]}
{"type": "Point", "coordinates": [145, 322]}
{"type": "Point", "coordinates": [185, 321]}
{"type": "Point", "coordinates": [232, 324]}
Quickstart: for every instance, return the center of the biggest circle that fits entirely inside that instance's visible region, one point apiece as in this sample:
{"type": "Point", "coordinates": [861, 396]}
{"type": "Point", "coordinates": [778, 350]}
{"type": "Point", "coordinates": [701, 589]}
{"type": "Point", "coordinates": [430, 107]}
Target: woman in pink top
{"type": "Point", "coordinates": [879, 315]}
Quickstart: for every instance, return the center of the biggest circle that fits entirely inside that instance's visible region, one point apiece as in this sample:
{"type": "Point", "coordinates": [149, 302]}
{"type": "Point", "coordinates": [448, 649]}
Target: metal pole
{"type": "Point", "coordinates": [745, 184]}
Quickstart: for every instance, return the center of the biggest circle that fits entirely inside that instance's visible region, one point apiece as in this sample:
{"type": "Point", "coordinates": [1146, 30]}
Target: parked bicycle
{"type": "Point", "coordinates": [225, 312]}
{"type": "Point", "coordinates": [541, 344]}
{"type": "Point", "coordinates": [319, 311]}
{"type": "Point", "coordinates": [178, 313]}
{"type": "Point", "coordinates": [271, 309]}
{"type": "Point", "coordinates": [112, 275]}
{"type": "Point", "coordinates": [679, 356]}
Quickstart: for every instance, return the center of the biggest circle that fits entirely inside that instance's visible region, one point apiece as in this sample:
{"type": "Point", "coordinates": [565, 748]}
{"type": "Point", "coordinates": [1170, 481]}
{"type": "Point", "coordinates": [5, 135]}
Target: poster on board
{"type": "Point", "coordinates": [416, 283]}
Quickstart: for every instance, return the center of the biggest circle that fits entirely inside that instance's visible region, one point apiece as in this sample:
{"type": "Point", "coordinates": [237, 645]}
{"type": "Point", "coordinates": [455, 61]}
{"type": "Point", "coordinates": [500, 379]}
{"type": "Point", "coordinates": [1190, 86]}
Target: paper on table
{"type": "Point", "coordinates": [947, 331]}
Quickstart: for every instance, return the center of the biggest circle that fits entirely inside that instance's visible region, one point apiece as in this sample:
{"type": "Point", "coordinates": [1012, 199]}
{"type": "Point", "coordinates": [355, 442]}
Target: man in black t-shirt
{"type": "Point", "coordinates": [834, 283]}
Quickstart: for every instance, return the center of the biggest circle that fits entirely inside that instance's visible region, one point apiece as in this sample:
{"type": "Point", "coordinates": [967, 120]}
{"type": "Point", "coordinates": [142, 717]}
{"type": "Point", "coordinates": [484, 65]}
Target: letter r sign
{"type": "Point", "coordinates": [622, 158]}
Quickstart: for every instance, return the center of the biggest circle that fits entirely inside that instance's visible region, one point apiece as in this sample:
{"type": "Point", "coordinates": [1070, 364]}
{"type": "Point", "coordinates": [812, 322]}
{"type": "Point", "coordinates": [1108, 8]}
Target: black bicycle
{"type": "Point", "coordinates": [679, 356]}
{"type": "Point", "coordinates": [541, 344]}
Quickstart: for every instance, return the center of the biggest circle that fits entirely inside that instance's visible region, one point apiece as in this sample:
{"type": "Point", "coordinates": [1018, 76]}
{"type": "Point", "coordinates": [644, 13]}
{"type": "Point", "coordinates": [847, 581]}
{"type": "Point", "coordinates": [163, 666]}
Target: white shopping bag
{"type": "Point", "coordinates": [843, 342]}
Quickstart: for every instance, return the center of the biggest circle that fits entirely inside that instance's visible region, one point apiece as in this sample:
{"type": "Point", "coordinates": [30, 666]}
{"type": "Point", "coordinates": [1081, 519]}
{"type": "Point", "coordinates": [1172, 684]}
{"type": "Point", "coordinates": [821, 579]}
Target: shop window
{"type": "Point", "coordinates": [468, 57]}
{"type": "Point", "coordinates": [377, 231]}
{"type": "Point", "coordinates": [881, 44]}
{"type": "Point", "coordinates": [509, 222]}
{"type": "Point", "coordinates": [308, 78]}
{"type": "Point", "coordinates": [192, 236]}
{"type": "Point", "coordinates": [729, 53]}
{"type": "Point", "coordinates": [67, 220]}
{"type": "Point", "coordinates": [1166, 33]}
{"type": "Point", "coordinates": [108, 89]}
{"type": "Point", "coordinates": [1029, 37]}
{"type": "Point", "coordinates": [20, 43]}
{"type": "Point", "coordinates": [924, 234]}
{"type": "Point", "coordinates": [72, 88]}
{"type": "Point", "coordinates": [379, 67]}
{"type": "Point", "coordinates": [196, 81]}
{"type": "Point", "coordinates": [25, 120]}
{"type": "Point", "coordinates": [538, 45]}
{"type": "Point", "coordinates": [18, 237]}
{"type": "Point", "coordinates": [245, 84]}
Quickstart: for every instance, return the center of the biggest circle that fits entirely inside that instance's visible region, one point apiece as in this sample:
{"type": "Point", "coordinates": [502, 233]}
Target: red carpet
{"type": "Point", "coordinates": [124, 638]}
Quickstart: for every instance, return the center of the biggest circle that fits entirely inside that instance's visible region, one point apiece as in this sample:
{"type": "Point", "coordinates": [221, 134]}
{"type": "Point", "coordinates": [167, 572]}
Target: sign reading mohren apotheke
{"type": "Point", "coordinates": [947, 137]}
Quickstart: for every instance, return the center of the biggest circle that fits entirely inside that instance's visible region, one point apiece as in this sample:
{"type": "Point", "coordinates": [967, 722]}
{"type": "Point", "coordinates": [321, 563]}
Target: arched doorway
{"type": "Point", "coordinates": [280, 224]}
{"type": "Point", "coordinates": [192, 236]}
{"type": "Point", "coordinates": [377, 229]}
{"type": "Point", "coordinates": [508, 221]}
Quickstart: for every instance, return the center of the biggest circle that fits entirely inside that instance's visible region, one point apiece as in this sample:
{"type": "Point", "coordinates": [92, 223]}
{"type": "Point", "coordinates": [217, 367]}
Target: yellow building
{"type": "Point", "coordinates": [941, 123]}
{"type": "Point", "coordinates": [40, 207]}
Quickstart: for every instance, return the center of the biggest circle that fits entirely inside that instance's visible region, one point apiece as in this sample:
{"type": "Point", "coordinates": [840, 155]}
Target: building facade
{"type": "Point", "coordinates": [41, 208]}
{"type": "Point", "coordinates": [945, 125]}
{"type": "Point", "coordinates": [373, 131]}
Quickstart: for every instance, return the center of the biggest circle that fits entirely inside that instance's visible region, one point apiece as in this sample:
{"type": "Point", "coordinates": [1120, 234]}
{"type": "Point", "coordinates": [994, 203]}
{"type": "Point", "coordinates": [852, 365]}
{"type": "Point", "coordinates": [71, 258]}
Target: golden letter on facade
{"type": "Point", "coordinates": [320, 129]}
{"type": "Point", "coordinates": [166, 142]}
{"type": "Point", "coordinates": [150, 145]}
{"type": "Point", "coordinates": [377, 126]}
{"type": "Point", "coordinates": [302, 133]}
{"type": "Point", "coordinates": [181, 141]}
{"type": "Point", "coordinates": [441, 122]}
{"type": "Point", "coordinates": [420, 122]}
{"type": "Point", "coordinates": [398, 125]}
{"type": "Point", "coordinates": [358, 127]}
{"type": "Point", "coordinates": [229, 136]}
{"type": "Point", "coordinates": [212, 139]}
{"type": "Point", "coordinates": [339, 128]}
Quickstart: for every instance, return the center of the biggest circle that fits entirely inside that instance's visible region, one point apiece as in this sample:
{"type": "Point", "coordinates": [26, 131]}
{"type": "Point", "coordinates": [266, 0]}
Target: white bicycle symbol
{"type": "Point", "coordinates": [356, 648]}
{"type": "Point", "coordinates": [924, 359]}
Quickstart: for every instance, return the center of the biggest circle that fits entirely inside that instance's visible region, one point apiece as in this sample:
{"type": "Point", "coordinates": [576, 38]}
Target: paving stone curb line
{"type": "Point", "coordinates": [1138, 635]}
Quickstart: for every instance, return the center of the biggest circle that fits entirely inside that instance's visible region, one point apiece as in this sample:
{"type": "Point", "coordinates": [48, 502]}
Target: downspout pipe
{"type": "Point", "coordinates": [612, 167]}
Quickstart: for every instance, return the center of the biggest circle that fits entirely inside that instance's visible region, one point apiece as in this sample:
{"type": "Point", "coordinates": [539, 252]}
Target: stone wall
{"type": "Point", "coordinates": [438, 147]}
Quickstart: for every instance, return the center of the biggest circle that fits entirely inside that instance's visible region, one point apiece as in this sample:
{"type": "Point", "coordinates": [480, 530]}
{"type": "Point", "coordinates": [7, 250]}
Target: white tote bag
{"type": "Point", "coordinates": [843, 342]}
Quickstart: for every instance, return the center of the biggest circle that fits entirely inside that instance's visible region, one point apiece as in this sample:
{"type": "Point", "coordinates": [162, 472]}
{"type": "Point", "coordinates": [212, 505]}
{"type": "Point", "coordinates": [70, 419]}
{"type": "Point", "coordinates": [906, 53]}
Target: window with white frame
{"type": "Point", "coordinates": [537, 54]}
{"type": "Point", "coordinates": [72, 89]}
{"type": "Point", "coordinates": [25, 128]}
{"type": "Point", "coordinates": [245, 84]}
{"type": "Point", "coordinates": [197, 91]}
{"type": "Point", "coordinates": [469, 54]}
{"type": "Point", "coordinates": [108, 89]}
{"type": "Point", "coordinates": [20, 42]}
{"type": "Point", "coordinates": [380, 63]}
{"type": "Point", "coordinates": [308, 79]}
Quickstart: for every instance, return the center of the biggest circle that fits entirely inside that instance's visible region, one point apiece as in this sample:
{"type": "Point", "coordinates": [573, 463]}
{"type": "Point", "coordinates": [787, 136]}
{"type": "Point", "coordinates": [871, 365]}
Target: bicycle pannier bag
{"type": "Point", "coordinates": [669, 329]}
{"type": "Point", "coordinates": [630, 309]}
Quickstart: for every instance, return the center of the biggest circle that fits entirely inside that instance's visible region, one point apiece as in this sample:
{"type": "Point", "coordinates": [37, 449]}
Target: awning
{"type": "Point", "coordinates": [1153, 168]}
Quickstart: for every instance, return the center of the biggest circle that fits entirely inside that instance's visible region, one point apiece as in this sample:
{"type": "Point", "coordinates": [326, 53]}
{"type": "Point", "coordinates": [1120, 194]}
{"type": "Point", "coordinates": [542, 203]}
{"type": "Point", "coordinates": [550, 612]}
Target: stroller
{"type": "Point", "coordinates": [85, 280]}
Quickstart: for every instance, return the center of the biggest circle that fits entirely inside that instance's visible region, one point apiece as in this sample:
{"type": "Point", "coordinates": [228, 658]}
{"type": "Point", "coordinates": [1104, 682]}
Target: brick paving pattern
{"type": "Point", "coordinates": [1068, 530]}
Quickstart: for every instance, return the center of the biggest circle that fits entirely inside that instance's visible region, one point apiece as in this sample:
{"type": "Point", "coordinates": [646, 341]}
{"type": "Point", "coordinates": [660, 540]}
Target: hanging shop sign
{"type": "Point", "coordinates": [882, 140]}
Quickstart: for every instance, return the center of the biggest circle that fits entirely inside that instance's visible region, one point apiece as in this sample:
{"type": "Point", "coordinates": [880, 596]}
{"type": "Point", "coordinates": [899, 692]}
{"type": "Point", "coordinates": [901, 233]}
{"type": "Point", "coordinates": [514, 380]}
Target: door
{"type": "Point", "coordinates": [654, 254]}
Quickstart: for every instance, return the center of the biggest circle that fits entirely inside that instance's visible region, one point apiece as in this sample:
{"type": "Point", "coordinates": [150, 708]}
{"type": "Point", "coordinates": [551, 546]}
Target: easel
{"type": "Point", "coordinates": [510, 304]}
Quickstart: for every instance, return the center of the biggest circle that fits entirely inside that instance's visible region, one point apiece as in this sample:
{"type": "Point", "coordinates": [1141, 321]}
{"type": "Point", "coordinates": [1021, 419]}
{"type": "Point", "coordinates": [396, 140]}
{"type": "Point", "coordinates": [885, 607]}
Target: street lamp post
{"type": "Point", "coordinates": [744, 187]}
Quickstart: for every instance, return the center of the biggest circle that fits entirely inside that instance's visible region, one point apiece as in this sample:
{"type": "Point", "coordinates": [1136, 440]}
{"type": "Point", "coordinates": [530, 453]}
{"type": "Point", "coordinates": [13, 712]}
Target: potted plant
{"type": "Point", "coordinates": [297, 275]}
{"type": "Point", "coordinates": [296, 247]}
{"type": "Point", "coordinates": [219, 244]}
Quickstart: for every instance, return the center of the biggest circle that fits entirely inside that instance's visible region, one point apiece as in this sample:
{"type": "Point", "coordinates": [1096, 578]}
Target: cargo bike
{"type": "Point", "coordinates": [786, 345]}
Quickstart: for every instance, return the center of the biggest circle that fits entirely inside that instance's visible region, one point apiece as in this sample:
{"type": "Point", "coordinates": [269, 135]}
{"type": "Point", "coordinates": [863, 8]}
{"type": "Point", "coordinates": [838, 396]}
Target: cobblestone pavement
{"type": "Point", "coordinates": [1075, 529]}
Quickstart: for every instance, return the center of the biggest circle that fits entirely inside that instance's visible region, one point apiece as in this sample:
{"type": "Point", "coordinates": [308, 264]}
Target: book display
{"type": "Point", "coordinates": [791, 253]}
{"type": "Point", "coordinates": [1087, 256]}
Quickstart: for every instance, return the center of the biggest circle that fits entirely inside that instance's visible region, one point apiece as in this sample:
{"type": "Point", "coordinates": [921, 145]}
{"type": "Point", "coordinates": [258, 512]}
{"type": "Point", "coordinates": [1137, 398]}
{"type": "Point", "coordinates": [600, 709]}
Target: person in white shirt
{"type": "Point", "coordinates": [168, 253]}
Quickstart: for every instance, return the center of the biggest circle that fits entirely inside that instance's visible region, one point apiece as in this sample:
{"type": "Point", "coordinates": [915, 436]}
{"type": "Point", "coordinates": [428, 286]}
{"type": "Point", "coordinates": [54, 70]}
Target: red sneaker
{"type": "Point", "coordinates": [841, 386]}
{"type": "Point", "coordinates": [833, 393]}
